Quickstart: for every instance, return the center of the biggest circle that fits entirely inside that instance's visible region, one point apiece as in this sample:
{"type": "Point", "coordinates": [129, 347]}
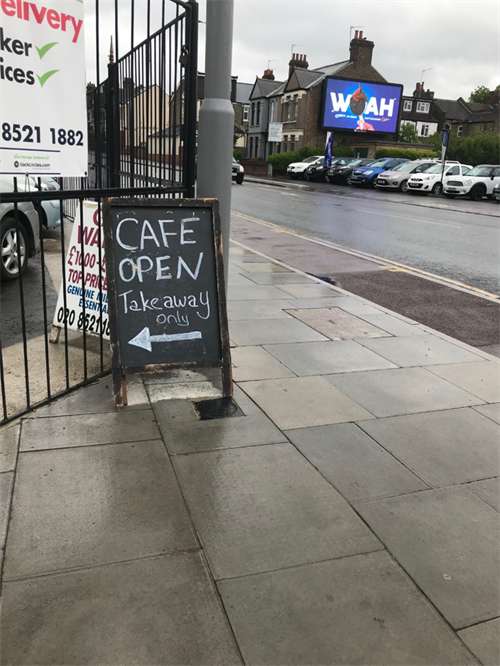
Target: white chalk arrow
{"type": "Point", "coordinates": [144, 339]}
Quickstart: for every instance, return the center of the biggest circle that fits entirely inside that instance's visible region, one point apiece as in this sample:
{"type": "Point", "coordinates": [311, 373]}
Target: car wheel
{"type": "Point", "coordinates": [348, 180]}
{"type": "Point", "coordinates": [477, 193]}
{"type": "Point", "coordinates": [404, 186]}
{"type": "Point", "coordinates": [307, 176]}
{"type": "Point", "coordinates": [327, 178]}
{"type": "Point", "coordinates": [239, 180]}
{"type": "Point", "coordinates": [14, 247]}
{"type": "Point", "coordinates": [437, 189]}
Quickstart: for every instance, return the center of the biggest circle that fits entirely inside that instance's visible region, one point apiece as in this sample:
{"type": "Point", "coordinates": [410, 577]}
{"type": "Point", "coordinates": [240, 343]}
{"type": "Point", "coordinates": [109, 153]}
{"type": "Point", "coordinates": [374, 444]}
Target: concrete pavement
{"type": "Point", "coordinates": [347, 514]}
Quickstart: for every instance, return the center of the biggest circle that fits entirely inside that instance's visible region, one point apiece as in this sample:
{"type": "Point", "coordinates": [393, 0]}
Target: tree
{"type": "Point", "coordinates": [408, 133]}
{"type": "Point", "coordinates": [480, 93]}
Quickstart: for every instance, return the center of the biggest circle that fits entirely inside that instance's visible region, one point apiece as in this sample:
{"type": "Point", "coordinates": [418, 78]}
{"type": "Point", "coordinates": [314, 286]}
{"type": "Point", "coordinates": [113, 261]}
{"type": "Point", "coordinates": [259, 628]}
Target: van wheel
{"type": "Point", "coordinates": [477, 193]}
{"type": "Point", "coordinates": [14, 249]}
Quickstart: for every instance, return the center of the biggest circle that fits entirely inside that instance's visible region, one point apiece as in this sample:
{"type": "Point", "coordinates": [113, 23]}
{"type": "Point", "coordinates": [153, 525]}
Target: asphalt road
{"type": "Point", "coordinates": [455, 244]}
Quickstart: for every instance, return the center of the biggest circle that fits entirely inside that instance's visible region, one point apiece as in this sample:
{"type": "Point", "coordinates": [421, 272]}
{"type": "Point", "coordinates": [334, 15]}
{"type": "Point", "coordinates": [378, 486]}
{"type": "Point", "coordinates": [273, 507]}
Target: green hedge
{"type": "Point", "coordinates": [280, 161]}
{"type": "Point", "coordinates": [238, 153]}
{"type": "Point", "coordinates": [483, 148]}
{"type": "Point", "coordinates": [408, 154]}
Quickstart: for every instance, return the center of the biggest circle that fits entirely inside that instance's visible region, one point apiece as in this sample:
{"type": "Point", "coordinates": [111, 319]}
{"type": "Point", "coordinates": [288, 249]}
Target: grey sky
{"type": "Point", "coordinates": [459, 39]}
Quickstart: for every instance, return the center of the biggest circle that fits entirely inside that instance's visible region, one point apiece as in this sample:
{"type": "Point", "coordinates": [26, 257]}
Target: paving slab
{"type": "Point", "coordinates": [356, 306]}
{"type": "Point", "coordinates": [96, 399]}
{"type": "Point", "coordinates": [155, 611]}
{"type": "Point", "coordinates": [484, 641]}
{"type": "Point", "coordinates": [263, 267]}
{"type": "Point", "coordinates": [337, 324]}
{"type": "Point", "coordinates": [9, 444]}
{"type": "Point", "coordinates": [279, 278]}
{"type": "Point", "coordinates": [312, 290]}
{"type": "Point", "coordinates": [392, 325]}
{"type": "Point", "coordinates": [358, 610]}
{"type": "Point", "coordinates": [447, 540]}
{"type": "Point", "coordinates": [238, 280]}
{"type": "Point", "coordinates": [6, 486]}
{"type": "Point", "coordinates": [401, 391]}
{"type": "Point", "coordinates": [183, 432]}
{"type": "Point", "coordinates": [301, 402]}
{"type": "Point", "coordinates": [257, 310]}
{"type": "Point", "coordinates": [55, 432]}
{"type": "Point", "coordinates": [353, 462]}
{"type": "Point", "coordinates": [254, 292]}
{"type": "Point", "coordinates": [304, 303]}
{"type": "Point", "coordinates": [251, 363]}
{"type": "Point", "coordinates": [442, 448]}
{"type": "Point", "coordinates": [481, 378]}
{"type": "Point", "coordinates": [323, 358]}
{"type": "Point", "coordinates": [180, 391]}
{"type": "Point", "coordinates": [266, 507]}
{"type": "Point", "coordinates": [491, 411]}
{"type": "Point", "coordinates": [94, 505]}
{"type": "Point", "coordinates": [182, 376]}
{"type": "Point", "coordinates": [488, 490]}
{"type": "Point", "coordinates": [419, 350]}
{"type": "Point", "coordinates": [272, 331]}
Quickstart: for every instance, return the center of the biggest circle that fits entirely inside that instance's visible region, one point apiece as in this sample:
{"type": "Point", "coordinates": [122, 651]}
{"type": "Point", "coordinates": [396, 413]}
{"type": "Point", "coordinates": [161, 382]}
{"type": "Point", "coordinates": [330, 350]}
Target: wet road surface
{"type": "Point", "coordinates": [457, 245]}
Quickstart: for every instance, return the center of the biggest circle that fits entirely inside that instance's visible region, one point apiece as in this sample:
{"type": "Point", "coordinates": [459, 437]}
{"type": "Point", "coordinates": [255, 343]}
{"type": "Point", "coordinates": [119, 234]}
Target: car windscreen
{"type": "Point", "coordinates": [310, 159]}
{"type": "Point", "coordinates": [480, 171]}
{"type": "Point", "coordinates": [405, 166]}
{"type": "Point", "coordinates": [378, 163]}
{"type": "Point", "coordinates": [435, 168]}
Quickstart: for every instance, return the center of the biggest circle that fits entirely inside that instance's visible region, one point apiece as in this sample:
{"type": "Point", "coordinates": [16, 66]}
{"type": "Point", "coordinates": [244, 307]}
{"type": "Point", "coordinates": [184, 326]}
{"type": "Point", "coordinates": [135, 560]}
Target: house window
{"type": "Point", "coordinates": [295, 106]}
{"type": "Point", "coordinates": [288, 110]}
{"type": "Point", "coordinates": [258, 113]}
{"type": "Point", "coordinates": [245, 113]}
{"type": "Point", "coordinates": [285, 144]}
{"type": "Point", "coordinates": [423, 107]}
{"type": "Point", "coordinates": [459, 130]}
{"type": "Point", "coordinates": [292, 142]}
{"type": "Point", "coordinates": [251, 147]}
{"type": "Point", "coordinates": [256, 146]}
{"type": "Point", "coordinates": [272, 115]}
{"type": "Point", "coordinates": [424, 130]}
{"type": "Point", "coordinates": [253, 113]}
{"type": "Point", "coordinates": [407, 105]}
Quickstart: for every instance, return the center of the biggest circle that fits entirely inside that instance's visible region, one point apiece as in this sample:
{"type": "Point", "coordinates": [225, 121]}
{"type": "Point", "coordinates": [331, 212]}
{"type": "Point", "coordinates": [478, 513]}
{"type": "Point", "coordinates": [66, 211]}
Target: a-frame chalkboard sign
{"type": "Point", "coordinates": [166, 292]}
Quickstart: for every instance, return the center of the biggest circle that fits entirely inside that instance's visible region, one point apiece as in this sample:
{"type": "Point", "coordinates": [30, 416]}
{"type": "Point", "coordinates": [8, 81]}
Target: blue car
{"type": "Point", "coordinates": [368, 175]}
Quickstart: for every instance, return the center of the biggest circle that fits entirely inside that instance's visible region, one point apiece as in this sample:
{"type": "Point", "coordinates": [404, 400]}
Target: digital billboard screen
{"type": "Point", "coordinates": [361, 106]}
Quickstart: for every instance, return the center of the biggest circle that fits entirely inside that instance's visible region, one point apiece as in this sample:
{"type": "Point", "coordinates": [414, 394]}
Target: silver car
{"type": "Point", "coordinates": [397, 178]}
{"type": "Point", "coordinates": [19, 239]}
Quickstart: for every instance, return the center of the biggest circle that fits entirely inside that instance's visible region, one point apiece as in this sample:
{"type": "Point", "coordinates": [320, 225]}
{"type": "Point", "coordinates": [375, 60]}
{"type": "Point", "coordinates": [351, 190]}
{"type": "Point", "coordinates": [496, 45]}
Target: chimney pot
{"type": "Point", "coordinates": [361, 34]}
{"type": "Point", "coordinates": [356, 34]}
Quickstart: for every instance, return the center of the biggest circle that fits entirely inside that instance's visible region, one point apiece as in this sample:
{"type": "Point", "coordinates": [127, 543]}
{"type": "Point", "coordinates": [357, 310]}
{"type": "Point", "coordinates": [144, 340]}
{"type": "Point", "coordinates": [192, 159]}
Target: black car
{"type": "Point", "coordinates": [318, 171]}
{"type": "Point", "coordinates": [341, 171]}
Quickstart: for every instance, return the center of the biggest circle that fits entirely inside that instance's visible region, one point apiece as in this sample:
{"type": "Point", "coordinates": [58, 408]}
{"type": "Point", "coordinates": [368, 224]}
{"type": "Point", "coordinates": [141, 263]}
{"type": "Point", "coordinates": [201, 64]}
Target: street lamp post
{"type": "Point", "coordinates": [216, 123]}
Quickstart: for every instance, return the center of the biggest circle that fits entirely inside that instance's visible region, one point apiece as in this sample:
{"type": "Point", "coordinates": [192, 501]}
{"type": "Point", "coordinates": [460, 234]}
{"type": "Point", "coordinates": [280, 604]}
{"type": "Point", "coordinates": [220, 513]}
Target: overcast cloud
{"type": "Point", "coordinates": [458, 39]}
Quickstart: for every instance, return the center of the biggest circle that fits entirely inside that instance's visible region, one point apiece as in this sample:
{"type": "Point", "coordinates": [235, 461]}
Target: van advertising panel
{"type": "Point", "coordinates": [361, 106]}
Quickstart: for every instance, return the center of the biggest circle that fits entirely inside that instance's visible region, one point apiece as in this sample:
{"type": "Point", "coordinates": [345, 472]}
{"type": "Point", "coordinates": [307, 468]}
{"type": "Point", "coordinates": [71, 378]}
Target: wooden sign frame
{"type": "Point", "coordinates": [118, 370]}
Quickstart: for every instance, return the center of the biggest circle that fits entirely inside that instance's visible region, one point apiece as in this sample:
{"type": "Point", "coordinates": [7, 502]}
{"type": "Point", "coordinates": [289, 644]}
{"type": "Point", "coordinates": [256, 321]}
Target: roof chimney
{"type": "Point", "coordinates": [268, 74]}
{"type": "Point", "coordinates": [298, 60]}
{"type": "Point", "coordinates": [361, 49]}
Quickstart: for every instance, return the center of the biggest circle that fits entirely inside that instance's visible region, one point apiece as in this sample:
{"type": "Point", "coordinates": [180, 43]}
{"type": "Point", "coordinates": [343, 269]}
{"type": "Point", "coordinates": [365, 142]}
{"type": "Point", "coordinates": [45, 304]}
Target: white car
{"type": "Point", "coordinates": [397, 178]}
{"type": "Point", "coordinates": [297, 169]}
{"type": "Point", "coordinates": [19, 239]}
{"type": "Point", "coordinates": [479, 182]}
{"type": "Point", "coordinates": [430, 181]}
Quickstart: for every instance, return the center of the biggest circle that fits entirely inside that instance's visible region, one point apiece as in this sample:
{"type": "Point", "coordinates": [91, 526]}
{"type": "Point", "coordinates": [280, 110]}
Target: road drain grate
{"type": "Point", "coordinates": [218, 408]}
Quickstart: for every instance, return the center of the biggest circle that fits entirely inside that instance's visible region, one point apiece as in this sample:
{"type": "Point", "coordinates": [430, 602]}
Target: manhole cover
{"type": "Point", "coordinates": [218, 408]}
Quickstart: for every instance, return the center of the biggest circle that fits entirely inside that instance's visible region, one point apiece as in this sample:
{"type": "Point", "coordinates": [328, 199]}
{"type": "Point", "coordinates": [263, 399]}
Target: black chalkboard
{"type": "Point", "coordinates": [165, 286]}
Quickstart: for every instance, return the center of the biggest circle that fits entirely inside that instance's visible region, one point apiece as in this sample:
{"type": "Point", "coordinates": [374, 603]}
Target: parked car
{"type": "Point", "coordinates": [238, 172]}
{"type": "Point", "coordinates": [429, 182]}
{"type": "Point", "coordinates": [50, 212]}
{"type": "Point", "coordinates": [397, 178]}
{"type": "Point", "coordinates": [296, 169]}
{"type": "Point", "coordinates": [366, 176]}
{"type": "Point", "coordinates": [496, 193]}
{"type": "Point", "coordinates": [478, 182]}
{"type": "Point", "coordinates": [319, 171]}
{"type": "Point", "coordinates": [341, 173]}
{"type": "Point", "coordinates": [19, 239]}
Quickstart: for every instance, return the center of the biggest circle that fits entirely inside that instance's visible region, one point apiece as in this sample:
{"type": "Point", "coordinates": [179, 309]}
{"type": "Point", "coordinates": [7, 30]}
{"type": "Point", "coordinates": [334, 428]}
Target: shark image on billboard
{"type": "Point", "coordinates": [362, 106]}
